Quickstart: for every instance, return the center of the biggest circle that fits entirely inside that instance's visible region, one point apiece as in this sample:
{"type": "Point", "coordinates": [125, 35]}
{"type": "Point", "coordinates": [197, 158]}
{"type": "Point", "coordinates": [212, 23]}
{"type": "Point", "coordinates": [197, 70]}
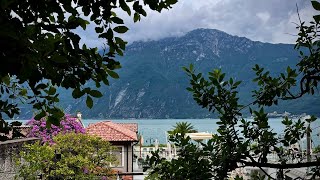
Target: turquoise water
{"type": "Point", "coordinates": [152, 129]}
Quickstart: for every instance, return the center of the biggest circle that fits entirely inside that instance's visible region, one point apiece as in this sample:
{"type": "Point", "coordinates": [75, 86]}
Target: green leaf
{"type": "Point", "coordinates": [315, 5]}
{"type": "Point", "coordinates": [190, 89]}
{"type": "Point", "coordinates": [105, 81]}
{"type": "Point", "coordinates": [41, 86]}
{"type": "Point", "coordinates": [231, 81]}
{"type": "Point", "coordinates": [4, 4]}
{"type": "Point", "coordinates": [99, 29]}
{"type": "Point", "coordinates": [89, 102]}
{"type": "Point", "coordinates": [59, 58]}
{"type": "Point", "coordinates": [143, 12]}
{"type": "Point", "coordinates": [95, 93]}
{"type": "Point", "coordinates": [40, 115]}
{"type": "Point", "coordinates": [136, 17]}
{"type": "Point", "coordinates": [107, 35]}
{"type": "Point", "coordinates": [117, 20]}
{"type": "Point", "coordinates": [113, 74]}
{"type": "Point", "coordinates": [237, 83]}
{"type": "Point", "coordinates": [170, 2]}
{"type": "Point", "coordinates": [317, 19]}
{"type": "Point", "coordinates": [120, 29]}
{"type": "Point", "coordinates": [53, 120]}
{"type": "Point", "coordinates": [71, 18]}
{"type": "Point", "coordinates": [77, 93]}
{"type": "Point", "coordinates": [86, 10]}
{"type": "Point", "coordinates": [125, 7]}
{"type": "Point", "coordinates": [191, 67]}
{"type": "Point", "coordinates": [186, 69]}
{"type": "Point", "coordinates": [52, 91]}
{"type": "Point", "coordinates": [48, 124]}
{"type": "Point", "coordinates": [121, 43]}
{"type": "Point", "coordinates": [6, 80]}
{"type": "Point", "coordinates": [23, 92]}
{"type": "Point", "coordinates": [51, 18]}
{"type": "Point", "coordinates": [83, 23]}
{"type": "Point", "coordinates": [119, 51]}
{"type": "Point", "coordinates": [16, 123]}
{"type": "Point", "coordinates": [221, 77]}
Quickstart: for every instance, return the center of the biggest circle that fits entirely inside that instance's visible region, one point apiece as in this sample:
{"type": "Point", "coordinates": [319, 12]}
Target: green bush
{"type": "Point", "coordinates": [73, 156]}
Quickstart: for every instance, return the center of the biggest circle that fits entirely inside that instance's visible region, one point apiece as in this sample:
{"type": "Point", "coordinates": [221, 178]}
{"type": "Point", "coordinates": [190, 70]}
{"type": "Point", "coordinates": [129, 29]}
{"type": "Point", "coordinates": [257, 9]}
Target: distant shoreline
{"type": "Point", "coordinates": [117, 119]}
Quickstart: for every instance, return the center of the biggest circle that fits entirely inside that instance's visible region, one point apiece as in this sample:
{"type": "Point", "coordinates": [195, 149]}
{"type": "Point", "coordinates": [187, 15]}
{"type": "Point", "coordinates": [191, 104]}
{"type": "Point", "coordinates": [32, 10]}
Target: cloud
{"type": "Point", "coordinates": [267, 21]}
{"type": "Point", "coordinates": [264, 16]}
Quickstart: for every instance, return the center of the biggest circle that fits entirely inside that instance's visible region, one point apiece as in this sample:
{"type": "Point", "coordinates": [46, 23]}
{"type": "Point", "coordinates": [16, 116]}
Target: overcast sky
{"type": "Point", "coordinates": [260, 20]}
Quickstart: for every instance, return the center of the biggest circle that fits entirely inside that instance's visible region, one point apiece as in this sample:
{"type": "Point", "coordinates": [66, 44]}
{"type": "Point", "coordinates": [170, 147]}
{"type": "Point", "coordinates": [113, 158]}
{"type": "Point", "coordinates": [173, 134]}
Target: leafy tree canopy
{"type": "Point", "coordinates": [41, 51]}
{"type": "Point", "coordinates": [73, 156]}
{"type": "Point", "coordinates": [182, 128]}
{"type": "Point", "coordinates": [240, 142]}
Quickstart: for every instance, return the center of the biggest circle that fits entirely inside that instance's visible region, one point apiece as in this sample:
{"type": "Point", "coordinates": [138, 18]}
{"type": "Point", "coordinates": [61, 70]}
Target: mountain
{"type": "Point", "coordinates": [152, 83]}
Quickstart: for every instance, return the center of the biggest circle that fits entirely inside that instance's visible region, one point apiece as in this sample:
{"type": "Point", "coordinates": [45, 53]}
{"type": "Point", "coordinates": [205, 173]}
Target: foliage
{"type": "Point", "coordinates": [192, 162]}
{"type": "Point", "coordinates": [40, 50]}
{"type": "Point", "coordinates": [153, 176]}
{"type": "Point", "coordinates": [73, 156]}
{"type": "Point", "coordinates": [231, 147]}
{"type": "Point", "coordinates": [182, 128]}
{"type": "Point", "coordinates": [316, 149]}
{"type": "Point", "coordinates": [67, 124]}
{"type": "Point", "coordinates": [12, 127]}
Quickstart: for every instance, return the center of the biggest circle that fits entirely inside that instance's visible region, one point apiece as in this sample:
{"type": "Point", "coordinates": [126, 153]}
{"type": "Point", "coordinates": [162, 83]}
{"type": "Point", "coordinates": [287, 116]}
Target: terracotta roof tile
{"type": "Point", "coordinates": [110, 131]}
{"type": "Point", "coordinates": [132, 126]}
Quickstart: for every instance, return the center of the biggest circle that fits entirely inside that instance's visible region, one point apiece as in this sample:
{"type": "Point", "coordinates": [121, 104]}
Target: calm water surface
{"type": "Point", "coordinates": [152, 129]}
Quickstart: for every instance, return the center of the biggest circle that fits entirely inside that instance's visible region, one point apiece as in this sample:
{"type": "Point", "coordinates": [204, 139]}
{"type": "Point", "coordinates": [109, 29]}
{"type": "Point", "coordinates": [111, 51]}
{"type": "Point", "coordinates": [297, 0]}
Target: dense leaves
{"type": "Point", "coordinates": [192, 163]}
{"type": "Point", "coordinates": [239, 142]}
{"type": "Point", "coordinates": [67, 124]}
{"type": "Point", "coordinates": [40, 50]}
{"type": "Point", "coordinates": [73, 156]}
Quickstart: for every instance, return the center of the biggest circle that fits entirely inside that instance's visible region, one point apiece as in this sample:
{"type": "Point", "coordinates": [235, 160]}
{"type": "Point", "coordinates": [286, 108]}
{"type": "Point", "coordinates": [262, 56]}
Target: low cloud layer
{"type": "Point", "coordinates": [267, 21]}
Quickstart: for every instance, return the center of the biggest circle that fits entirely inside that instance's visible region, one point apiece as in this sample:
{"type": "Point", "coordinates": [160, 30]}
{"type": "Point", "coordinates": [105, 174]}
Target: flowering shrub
{"type": "Point", "coordinates": [67, 124]}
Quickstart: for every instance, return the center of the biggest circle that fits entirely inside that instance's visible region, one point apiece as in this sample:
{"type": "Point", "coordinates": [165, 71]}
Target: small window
{"type": "Point", "coordinates": [119, 153]}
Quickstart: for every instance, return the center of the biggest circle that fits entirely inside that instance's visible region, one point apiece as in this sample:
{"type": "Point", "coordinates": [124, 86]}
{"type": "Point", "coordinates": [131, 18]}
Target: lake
{"type": "Point", "coordinates": [152, 129]}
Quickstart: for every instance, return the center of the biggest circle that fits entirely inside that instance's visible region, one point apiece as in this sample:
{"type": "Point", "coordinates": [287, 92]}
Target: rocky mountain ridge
{"type": "Point", "coordinates": [152, 83]}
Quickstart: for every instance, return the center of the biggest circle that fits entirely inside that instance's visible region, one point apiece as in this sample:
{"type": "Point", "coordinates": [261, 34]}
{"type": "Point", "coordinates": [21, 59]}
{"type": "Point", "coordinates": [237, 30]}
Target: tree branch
{"type": "Point", "coordinates": [270, 177]}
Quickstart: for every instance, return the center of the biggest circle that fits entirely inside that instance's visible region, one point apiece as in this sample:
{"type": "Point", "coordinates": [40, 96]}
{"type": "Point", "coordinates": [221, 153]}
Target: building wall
{"type": "Point", "coordinates": [127, 156]}
{"type": "Point", "coordinates": [8, 149]}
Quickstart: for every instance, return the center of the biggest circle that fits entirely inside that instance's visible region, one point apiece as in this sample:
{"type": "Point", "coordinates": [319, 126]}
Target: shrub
{"type": "Point", "coordinates": [40, 129]}
{"type": "Point", "coordinates": [72, 156]}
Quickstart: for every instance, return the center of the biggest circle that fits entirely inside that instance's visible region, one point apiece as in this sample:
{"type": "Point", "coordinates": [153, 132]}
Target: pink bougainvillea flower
{"type": "Point", "coordinates": [67, 124]}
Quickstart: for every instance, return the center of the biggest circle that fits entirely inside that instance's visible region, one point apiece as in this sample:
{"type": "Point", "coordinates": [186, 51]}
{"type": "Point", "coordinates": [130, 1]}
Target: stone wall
{"type": "Point", "coordinates": [8, 149]}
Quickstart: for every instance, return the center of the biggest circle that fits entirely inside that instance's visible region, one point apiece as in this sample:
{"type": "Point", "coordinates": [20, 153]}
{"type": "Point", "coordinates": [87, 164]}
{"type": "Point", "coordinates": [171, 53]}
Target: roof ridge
{"type": "Point", "coordinates": [131, 126]}
{"type": "Point", "coordinates": [115, 128]}
{"type": "Point", "coordinates": [112, 129]}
